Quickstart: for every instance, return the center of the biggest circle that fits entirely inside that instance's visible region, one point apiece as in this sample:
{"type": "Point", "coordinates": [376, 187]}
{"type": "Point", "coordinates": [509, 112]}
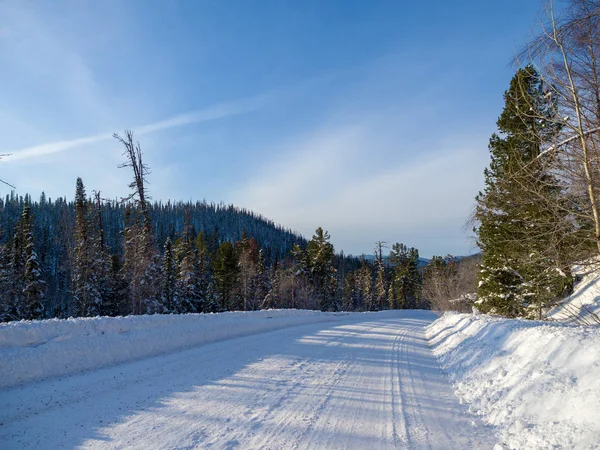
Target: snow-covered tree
{"type": "Point", "coordinates": [142, 262]}
{"type": "Point", "coordinates": [380, 278]}
{"type": "Point", "coordinates": [170, 299]}
{"type": "Point", "coordinates": [88, 268]}
{"type": "Point", "coordinates": [516, 211]}
{"type": "Point", "coordinates": [406, 277]}
{"type": "Point", "coordinates": [32, 306]}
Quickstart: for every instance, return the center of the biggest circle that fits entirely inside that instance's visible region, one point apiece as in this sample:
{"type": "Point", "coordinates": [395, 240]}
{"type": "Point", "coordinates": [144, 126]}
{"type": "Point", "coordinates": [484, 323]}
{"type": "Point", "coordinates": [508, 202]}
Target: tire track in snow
{"type": "Point", "coordinates": [416, 429]}
{"type": "Point", "coordinates": [304, 408]}
{"type": "Point", "coordinates": [399, 421]}
{"type": "Point", "coordinates": [368, 382]}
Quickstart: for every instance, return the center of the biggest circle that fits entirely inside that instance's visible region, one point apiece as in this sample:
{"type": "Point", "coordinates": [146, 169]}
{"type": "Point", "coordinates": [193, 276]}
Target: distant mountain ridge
{"type": "Point", "coordinates": [422, 261]}
{"type": "Point", "coordinates": [218, 222]}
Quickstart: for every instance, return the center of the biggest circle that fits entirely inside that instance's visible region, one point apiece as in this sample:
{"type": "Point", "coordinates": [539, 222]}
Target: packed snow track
{"type": "Point", "coordinates": [364, 381]}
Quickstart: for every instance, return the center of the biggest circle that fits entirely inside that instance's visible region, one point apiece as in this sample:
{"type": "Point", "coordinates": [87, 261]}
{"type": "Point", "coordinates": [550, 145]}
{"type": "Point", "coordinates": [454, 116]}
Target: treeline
{"type": "Point", "coordinates": [539, 212]}
{"type": "Point", "coordinates": [450, 283]}
{"type": "Point", "coordinates": [97, 257]}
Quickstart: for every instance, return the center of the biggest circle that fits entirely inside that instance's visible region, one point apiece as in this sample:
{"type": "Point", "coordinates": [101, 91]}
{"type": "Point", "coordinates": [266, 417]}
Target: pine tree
{"type": "Point", "coordinates": [169, 269]}
{"type": "Point", "coordinates": [404, 264]}
{"type": "Point", "coordinates": [115, 303]}
{"type": "Point", "coordinates": [247, 252]}
{"type": "Point", "coordinates": [514, 223]}
{"type": "Point", "coordinates": [273, 297]}
{"type": "Point", "coordinates": [141, 262]}
{"type": "Point", "coordinates": [414, 282]}
{"type": "Point", "coordinates": [319, 259]}
{"type": "Point", "coordinates": [226, 271]}
{"type": "Point", "coordinates": [394, 300]}
{"type": "Point", "coordinates": [189, 284]}
{"type": "Point", "coordinates": [202, 272]}
{"type": "Point", "coordinates": [5, 299]}
{"type": "Point", "coordinates": [16, 269]}
{"type": "Point", "coordinates": [380, 280]}
{"type": "Point", "coordinates": [261, 281]}
{"type": "Point", "coordinates": [90, 263]}
{"type": "Point", "coordinates": [101, 260]}
{"type": "Point", "coordinates": [34, 285]}
{"type": "Point", "coordinates": [349, 293]}
{"type": "Point", "coordinates": [81, 266]}
{"type": "Point", "coordinates": [365, 286]}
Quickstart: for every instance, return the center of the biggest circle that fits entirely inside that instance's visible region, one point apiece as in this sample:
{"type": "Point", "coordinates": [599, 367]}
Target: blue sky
{"type": "Point", "coordinates": [368, 118]}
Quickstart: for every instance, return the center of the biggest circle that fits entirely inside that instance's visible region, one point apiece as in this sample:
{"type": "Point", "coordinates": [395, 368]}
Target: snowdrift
{"type": "Point", "coordinates": [583, 305]}
{"type": "Point", "coordinates": [32, 350]}
{"type": "Point", "coordinates": [537, 383]}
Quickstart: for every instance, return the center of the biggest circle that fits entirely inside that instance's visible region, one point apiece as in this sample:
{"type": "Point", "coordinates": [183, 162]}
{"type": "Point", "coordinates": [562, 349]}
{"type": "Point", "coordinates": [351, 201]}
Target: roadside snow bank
{"type": "Point", "coordinates": [583, 305]}
{"type": "Point", "coordinates": [538, 383]}
{"type": "Point", "coordinates": [32, 350]}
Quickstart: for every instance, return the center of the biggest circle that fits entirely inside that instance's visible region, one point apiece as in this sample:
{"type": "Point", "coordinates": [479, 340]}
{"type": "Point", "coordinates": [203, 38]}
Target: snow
{"type": "Point", "coordinates": [583, 305]}
{"type": "Point", "coordinates": [538, 383]}
{"type": "Point", "coordinates": [302, 379]}
{"type": "Point", "coordinates": [360, 380]}
{"type": "Point", "coordinates": [44, 348]}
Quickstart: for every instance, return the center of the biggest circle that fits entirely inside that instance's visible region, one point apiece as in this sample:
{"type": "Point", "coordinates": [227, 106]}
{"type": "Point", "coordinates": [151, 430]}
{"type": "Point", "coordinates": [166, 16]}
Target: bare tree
{"type": "Point", "coordinates": [133, 153]}
{"type": "Point", "coordinates": [566, 53]}
{"type": "Point", "coordinates": [141, 260]}
{"type": "Point", "coordinates": [450, 283]}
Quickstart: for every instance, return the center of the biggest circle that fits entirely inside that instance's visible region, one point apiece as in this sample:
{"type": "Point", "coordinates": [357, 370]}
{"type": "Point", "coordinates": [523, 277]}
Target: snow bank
{"type": "Point", "coordinates": [538, 383]}
{"type": "Point", "coordinates": [583, 305]}
{"type": "Point", "coordinates": [32, 350]}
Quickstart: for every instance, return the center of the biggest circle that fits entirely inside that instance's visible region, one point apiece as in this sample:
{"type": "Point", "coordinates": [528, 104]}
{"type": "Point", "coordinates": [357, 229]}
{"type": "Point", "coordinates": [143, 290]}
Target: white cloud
{"type": "Point", "coordinates": [323, 180]}
{"type": "Point", "coordinates": [38, 49]}
{"type": "Point", "coordinates": [53, 147]}
{"type": "Point", "coordinates": [214, 112]}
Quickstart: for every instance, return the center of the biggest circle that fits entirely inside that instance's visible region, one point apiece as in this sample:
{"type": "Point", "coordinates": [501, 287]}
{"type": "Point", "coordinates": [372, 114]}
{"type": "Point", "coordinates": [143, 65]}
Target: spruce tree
{"type": "Point", "coordinates": [247, 252]}
{"type": "Point", "coordinates": [5, 299]}
{"type": "Point", "coordinates": [101, 260]}
{"type": "Point", "coordinates": [380, 280]}
{"type": "Point", "coordinates": [394, 301]}
{"type": "Point", "coordinates": [406, 276]}
{"type": "Point", "coordinates": [16, 270]}
{"type": "Point", "coordinates": [170, 300]}
{"type": "Point", "coordinates": [188, 286]}
{"type": "Point", "coordinates": [34, 284]}
{"type": "Point", "coordinates": [226, 272]}
{"type": "Point", "coordinates": [141, 262]}
{"type": "Point", "coordinates": [261, 280]}
{"type": "Point", "coordinates": [273, 296]}
{"type": "Point", "coordinates": [349, 292]}
{"type": "Point", "coordinates": [81, 265]}
{"type": "Point", "coordinates": [90, 264]}
{"type": "Point", "coordinates": [365, 286]}
{"type": "Point", "coordinates": [516, 211]}
{"type": "Point", "coordinates": [414, 280]}
{"type": "Point", "coordinates": [319, 259]}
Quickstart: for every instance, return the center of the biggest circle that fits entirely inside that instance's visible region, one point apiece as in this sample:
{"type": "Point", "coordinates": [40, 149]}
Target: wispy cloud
{"type": "Point", "coordinates": [214, 112]}
{"type": "Point", "coordinates": [322, 181]}
{"type": "Point", "coordinates": [218, 111]}
{"type": "Point", "coordinates": [53, 64]}
{"type": "Point", "coordinates": [53, 147]}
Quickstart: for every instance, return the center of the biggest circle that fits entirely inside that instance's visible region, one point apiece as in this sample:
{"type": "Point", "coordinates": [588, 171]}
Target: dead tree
{"type": "Point", "coordinates": [141, 260]}
{"type": "Point", "coordinates": [133, 154]}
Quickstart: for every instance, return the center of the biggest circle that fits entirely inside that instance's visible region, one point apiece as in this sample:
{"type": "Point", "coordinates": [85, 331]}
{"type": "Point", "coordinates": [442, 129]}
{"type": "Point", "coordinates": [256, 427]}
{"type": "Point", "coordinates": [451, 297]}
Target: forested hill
{"type": "Point", "coordinates": [100, 257]}
{"type": "Point", "coordinates": [54, 221]}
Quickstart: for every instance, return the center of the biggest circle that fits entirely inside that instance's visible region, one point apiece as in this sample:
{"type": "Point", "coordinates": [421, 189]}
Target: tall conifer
{"type": "Point", "coordinates": [517, 276]}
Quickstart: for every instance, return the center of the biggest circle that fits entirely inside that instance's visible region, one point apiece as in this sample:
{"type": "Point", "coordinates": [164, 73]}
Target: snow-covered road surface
{"type": "Point", "coordinates": [366, 381]}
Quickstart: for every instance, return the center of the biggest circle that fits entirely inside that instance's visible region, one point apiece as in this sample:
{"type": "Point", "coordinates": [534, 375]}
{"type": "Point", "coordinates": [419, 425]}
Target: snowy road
{"type": "Point", "coordinates": [368, 381]}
